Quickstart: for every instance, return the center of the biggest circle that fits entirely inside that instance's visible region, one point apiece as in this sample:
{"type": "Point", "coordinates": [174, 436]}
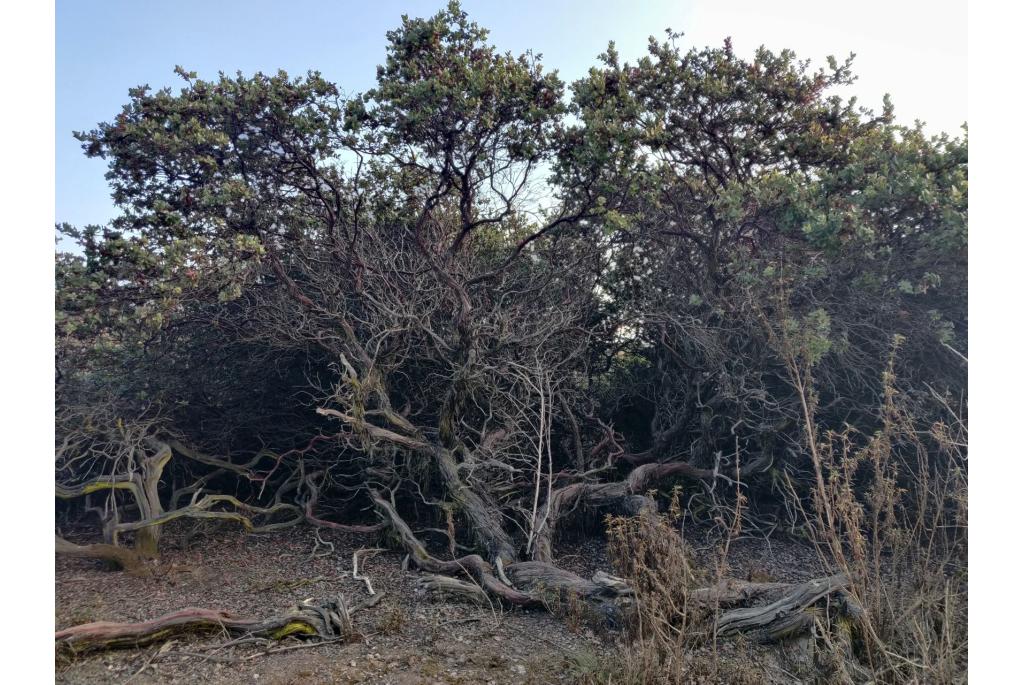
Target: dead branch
{"type": "Point", "coordinates": [330, 620]}
{"type": "Point", "coordinates": [792, 613]}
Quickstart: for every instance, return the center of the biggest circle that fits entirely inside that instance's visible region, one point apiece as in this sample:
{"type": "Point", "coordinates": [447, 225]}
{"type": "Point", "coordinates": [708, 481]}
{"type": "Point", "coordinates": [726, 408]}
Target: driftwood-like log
{"type": "Point", "coordinates": [791, 614]}
{"type": "Point", "coordinates": [731, 593]}
{"type": "Point", "coordinates": [330, 620]}
{"type": "Point", "coordinates": [604, 594]}
{"type": "Point", "coordinates": [446, 586]}
{"type": "Point", "coordinates": [536, 576]}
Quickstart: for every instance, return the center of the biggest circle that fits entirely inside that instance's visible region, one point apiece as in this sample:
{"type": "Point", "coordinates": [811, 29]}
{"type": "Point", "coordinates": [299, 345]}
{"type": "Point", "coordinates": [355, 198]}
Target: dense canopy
{"type": "Point", "coordinates": [488, 301]}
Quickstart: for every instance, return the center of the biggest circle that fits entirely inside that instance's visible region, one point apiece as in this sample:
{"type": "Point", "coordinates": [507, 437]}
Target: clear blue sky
{"type": "Point", "coordinates": [917, 51]}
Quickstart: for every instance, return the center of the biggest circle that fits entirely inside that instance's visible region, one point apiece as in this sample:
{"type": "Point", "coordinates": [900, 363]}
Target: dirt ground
{"type": "Point", "coordinates": [408, 638]}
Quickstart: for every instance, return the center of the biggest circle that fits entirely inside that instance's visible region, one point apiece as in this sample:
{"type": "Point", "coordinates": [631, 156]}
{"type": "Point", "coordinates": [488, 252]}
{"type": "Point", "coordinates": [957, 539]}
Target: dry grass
{"type": "Point", "coordinates": [888, 509]}
{"type": "Point", "coordinates": [891, 513]}
{"type": "Point", "coordinates": [668, 634]}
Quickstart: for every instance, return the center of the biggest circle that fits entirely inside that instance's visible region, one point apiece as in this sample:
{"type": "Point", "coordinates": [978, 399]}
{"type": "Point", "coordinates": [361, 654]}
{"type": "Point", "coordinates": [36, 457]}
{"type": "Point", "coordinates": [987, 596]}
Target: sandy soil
{"type": "Point", "coordinates": [408, 638]}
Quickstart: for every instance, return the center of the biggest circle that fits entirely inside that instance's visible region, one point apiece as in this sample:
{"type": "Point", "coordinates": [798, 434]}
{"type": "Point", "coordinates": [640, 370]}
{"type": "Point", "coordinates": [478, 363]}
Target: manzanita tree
{"type": "Point", "coordinates": [468, 297]}
{"type": "Point", "coordinates": [748, 199]}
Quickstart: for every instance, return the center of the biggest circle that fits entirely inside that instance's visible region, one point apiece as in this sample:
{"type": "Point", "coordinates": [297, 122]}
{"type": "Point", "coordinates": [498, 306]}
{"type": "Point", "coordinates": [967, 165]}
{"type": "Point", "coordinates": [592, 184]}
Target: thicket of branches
{"type": "Point", "coordinates": [483, 300]}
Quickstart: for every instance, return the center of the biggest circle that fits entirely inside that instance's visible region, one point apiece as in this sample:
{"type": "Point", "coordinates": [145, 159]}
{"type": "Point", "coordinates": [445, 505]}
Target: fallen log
{"type": "Point", "coordinates": [731, 593]}
{"type": "Point", "coordinates": [791, 613]}
{"type": "Point", "coordinates": [330, 620]}
{"type": "Point", "coordinates": [446, 586]}
{"type": "Point", "coordinates": [536, 576]}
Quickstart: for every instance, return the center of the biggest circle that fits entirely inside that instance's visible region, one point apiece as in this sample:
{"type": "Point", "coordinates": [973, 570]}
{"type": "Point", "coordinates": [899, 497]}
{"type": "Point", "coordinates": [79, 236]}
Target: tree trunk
{"type": "Point", "coordinates": [147, 540]}
{"type": "Point", "coordinates": [130, 560]}
{"type": "Point", "coordinates": [484, 517]}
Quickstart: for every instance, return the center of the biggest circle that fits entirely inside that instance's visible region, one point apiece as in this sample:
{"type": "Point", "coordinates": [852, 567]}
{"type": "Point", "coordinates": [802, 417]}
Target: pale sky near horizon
{"type": "Point", "coordinates": [914, 50]}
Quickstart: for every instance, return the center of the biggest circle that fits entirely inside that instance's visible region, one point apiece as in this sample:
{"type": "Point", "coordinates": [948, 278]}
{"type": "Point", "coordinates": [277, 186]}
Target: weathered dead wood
{"type": "Point", "coordinates": [542, 577]}
{"type": "Point", "coordinates": [791, 614]}
{"type": "Point", "coordinates": [129, 560]}
{"type": "Point", "coordinates": [543, 585]}
{"type": "Point", "coordinates": [446, 586]}
{"type": "Point", "coordinates": [330, 620]}
{"type": "Point", "coordinates": [537, 584]}
{"type": "Point", "coordinates": [731, 593]}
{"type": "Point", "coordinates": [618, 586]}
{"type": "Point", "coordinates": [557, 587]}
{"type": "Point", "coordinates": [483, 515]}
